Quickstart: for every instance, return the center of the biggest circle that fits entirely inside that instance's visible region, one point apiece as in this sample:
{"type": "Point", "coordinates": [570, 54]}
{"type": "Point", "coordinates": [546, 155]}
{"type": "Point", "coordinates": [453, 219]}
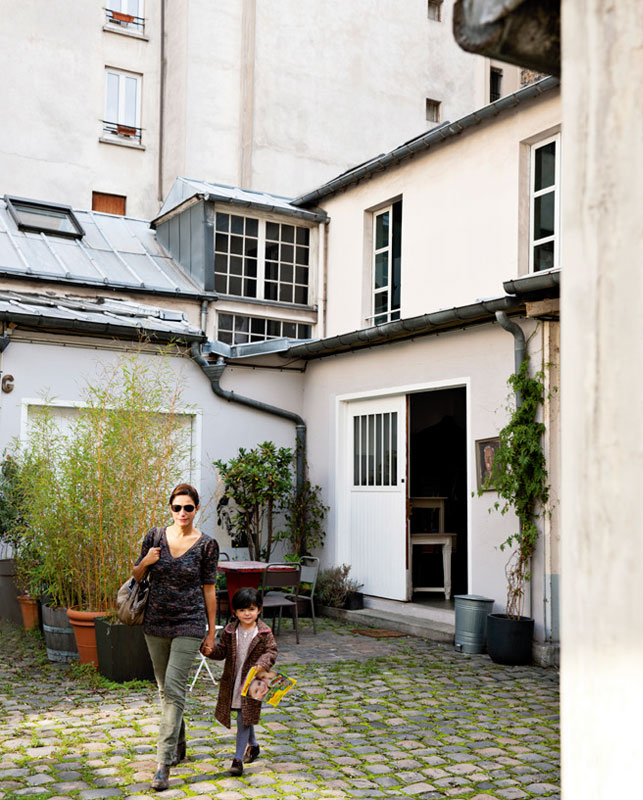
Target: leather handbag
{"type": "Point", "coordinates": [131, 600]}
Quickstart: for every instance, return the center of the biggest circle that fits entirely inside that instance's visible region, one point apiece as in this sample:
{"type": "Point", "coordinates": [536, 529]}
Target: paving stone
{"type": "Point", "coordinates": [435, 716]}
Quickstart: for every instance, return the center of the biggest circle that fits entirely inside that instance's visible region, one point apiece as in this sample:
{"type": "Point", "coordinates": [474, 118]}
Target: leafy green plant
{"type": "Point", "coordinates": [305, 514]}
{"type": "Point", "coordinates": [519, 476]}
{"type": "Point", "coordinates": [258, 481]}
{"type": "Point", "coordinates": [90, 494]}
{"type": "Point", "coordinates": [334, 585]}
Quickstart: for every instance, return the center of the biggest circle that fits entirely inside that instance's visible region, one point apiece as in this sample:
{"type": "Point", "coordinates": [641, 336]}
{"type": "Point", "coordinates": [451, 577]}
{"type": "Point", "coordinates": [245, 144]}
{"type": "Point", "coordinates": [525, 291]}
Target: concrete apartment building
{"type": "Point", "coordinates": [111, 101]}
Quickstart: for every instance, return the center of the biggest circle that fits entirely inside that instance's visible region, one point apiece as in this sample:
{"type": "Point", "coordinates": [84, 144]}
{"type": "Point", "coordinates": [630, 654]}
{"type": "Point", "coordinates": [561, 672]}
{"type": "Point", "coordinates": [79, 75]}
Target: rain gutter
{"type": "Point", "coordinates": [537, 282]}
{"type": "Point", "coordinates": [425, 141]}
{"type": "Point", "coordinates": [104, 285]}
{"type": "Point", "coordinates": [105, 328]}
{"type": "Point", "coordinates": [213, 373]}
{"type": "Point", "coordinates": [434, 322]}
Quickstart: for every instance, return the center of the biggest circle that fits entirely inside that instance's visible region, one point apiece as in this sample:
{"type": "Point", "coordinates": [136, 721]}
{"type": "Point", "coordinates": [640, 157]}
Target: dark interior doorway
{"type": "Point", "coordinates": [438, 468]}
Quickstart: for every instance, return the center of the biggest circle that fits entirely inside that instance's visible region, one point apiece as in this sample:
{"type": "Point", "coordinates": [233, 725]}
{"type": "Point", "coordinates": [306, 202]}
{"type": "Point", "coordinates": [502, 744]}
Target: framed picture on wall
{"type": "Point", "coordinates": [485, 454]}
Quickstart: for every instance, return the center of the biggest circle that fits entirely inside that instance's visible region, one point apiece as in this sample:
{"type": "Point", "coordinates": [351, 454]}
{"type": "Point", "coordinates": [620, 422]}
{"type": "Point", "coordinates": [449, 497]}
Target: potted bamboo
{"type": "Point", "coordinates": [519, 476]}
{"type": "Point", "coordinates": [94, 491]}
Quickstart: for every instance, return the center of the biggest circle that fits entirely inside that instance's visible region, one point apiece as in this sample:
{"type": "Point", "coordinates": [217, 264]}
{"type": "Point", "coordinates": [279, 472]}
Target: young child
{"type": "Point", "coordinates": [244, 643]}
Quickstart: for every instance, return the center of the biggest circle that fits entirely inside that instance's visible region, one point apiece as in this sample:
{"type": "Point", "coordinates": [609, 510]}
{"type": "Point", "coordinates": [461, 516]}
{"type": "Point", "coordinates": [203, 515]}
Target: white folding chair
{"type": "Point", "coordinates": [203, 662]}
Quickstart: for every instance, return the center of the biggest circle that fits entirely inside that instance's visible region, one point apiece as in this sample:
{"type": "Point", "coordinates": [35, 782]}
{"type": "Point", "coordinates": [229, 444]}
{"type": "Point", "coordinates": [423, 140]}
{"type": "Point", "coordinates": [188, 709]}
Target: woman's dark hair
{"type": "Point", "coordinates": [185, 488]}
{"type": "Point", "coordinates": [246, 597]}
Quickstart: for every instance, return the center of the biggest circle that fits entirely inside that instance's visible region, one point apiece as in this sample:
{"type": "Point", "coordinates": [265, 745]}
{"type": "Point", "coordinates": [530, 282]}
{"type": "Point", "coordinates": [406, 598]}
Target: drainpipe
{"type": "Point", "coordinates": [204, 316]}
{"type": "Point", "coordinates": [214, 372]}
{"type": "Point", "coordinates": [520, 347]}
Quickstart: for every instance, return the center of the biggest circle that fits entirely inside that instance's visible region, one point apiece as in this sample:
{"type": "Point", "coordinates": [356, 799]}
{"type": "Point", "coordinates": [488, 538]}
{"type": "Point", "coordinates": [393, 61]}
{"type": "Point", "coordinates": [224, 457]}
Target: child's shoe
{"type": "Point", "coordinates": [237, 767]}
{"type": "Point", "coordinates": [251, 754]}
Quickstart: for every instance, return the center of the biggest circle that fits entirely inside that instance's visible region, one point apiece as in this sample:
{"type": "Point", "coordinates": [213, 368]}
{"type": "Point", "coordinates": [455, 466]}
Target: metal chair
{"type": "Point", "coordinates": [309, 569]}
{"type": "Point", "coordinates": [283, 576]}
{"type": "Point", "coordinates": [203, 662]}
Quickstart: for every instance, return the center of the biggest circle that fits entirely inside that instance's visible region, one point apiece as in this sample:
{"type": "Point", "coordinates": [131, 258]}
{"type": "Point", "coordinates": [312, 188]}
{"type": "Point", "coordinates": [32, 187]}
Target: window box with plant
{"type": "Point", "coordinates": [519, 475]}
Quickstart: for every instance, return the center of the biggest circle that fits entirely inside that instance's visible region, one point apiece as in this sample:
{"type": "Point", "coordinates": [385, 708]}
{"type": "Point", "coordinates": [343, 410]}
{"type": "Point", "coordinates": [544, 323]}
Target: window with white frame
{"type": "Point", "coordinates": [239, 329]}
{"type": "Point", "coordinates": [375, 449]}
{"type": "Point", "coordinates": [545, 203]}
{"type": "Point", "coordinates": [387, 251]}
{"type": "Point", "coordinates": [261, 259]}
{"type": "Point", "coordinates": [125, 14]}
{"type": "Point", "coordinates": [432, 110]}
{"type": "Point", "coordinates": [122, 104]}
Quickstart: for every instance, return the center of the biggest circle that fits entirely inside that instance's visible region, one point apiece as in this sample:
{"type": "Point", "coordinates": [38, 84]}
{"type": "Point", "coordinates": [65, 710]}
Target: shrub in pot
{"type": "Point", "coordinates": [519, 476]}
{"type": "Point", "coordinates": [335, 589]}
{"type": "Point", "coordinates": [91, 493]}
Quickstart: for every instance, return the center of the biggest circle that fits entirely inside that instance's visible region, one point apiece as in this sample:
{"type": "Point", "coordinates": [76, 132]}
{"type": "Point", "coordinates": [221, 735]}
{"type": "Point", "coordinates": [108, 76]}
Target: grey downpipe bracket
{"type": "Point", "coordinates": [214, 372]}
{"type": "Point", "coordinates": [520, 346]}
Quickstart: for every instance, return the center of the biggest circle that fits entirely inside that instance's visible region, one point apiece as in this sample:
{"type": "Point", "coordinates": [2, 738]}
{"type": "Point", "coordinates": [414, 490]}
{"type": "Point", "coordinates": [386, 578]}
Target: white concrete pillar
{"type": "Point", "coordinates": [602, 391]}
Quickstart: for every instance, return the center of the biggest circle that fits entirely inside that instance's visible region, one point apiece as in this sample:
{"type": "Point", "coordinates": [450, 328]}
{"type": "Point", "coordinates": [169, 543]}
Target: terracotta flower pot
{"type": "Point", "coordinates": [83, 624]}
{"type": "Point", "coordinates": [29, 609]}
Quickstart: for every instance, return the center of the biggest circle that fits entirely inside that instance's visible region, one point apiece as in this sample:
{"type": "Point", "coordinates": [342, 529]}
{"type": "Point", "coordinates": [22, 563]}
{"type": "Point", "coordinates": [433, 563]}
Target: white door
{"type": "Point", "coordinates": [375, 494]}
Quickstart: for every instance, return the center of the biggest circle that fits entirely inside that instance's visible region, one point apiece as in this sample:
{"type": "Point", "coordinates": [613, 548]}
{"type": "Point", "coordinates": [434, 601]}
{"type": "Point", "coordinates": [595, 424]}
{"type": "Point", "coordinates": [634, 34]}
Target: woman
{"type": "Point", "coordinates": [183, 570]}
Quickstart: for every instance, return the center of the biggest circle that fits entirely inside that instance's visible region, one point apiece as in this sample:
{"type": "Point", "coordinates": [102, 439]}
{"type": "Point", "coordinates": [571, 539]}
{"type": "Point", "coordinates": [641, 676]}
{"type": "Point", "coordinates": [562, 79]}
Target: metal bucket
{"type": "Point", "coordinates": [59, 635]}
{"type": "Point", "coordinates": [471, 612]}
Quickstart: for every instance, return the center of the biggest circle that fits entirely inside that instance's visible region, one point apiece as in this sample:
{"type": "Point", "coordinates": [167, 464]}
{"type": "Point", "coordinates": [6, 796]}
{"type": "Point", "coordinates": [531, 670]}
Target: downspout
{"type": "Point", "coordinates": [520, 347]}
{"type": "Point", "coordinates": [161, 106]}
{"type": "Point", "coordinates": [214, 372]}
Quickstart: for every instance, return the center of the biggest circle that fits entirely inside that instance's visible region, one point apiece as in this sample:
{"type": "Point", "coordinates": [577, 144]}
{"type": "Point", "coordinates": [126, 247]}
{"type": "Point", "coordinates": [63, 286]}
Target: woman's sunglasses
{"type": "Point", "coordinates": [176, 508]}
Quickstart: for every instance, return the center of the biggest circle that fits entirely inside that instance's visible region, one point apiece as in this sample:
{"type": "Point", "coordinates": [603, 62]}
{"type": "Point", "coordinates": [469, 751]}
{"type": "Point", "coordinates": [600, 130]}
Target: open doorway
{"type": "Point", "coordinates": [437, 436]}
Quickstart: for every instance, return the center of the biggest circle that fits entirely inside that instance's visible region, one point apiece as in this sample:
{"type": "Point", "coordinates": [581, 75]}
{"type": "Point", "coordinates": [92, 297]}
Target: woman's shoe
{"type": "Point", "coordinates": [179, 755]}
{"type": "Point", "coordinates": [162, 778]}
{"type": "Point", "coordinates": [251, 754]}
{"type": "Point", "coordinates": [237, 767]}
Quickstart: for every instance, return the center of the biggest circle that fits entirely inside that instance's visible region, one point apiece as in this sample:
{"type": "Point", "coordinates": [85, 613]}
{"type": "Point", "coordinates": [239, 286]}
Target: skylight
{"type": "Point", "coordinates": [37, 217]}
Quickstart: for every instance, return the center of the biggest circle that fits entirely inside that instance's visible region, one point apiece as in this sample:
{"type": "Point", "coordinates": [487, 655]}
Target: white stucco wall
{"type": "Point", "coordinates": [59, 367]}
{"type": "Point", "coordinates": [53, 58]}
{"type": "Point", "coordinates": [464, 220]}
{"type": "Point", "coordinates": [479, 358]}
{"type": "Point", "coordinates": [602, 423]}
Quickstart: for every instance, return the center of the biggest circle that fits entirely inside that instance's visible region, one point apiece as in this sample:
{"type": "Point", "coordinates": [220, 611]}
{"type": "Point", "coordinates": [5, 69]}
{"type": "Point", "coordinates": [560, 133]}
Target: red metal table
{"type": "Point", "coordinates": [242, 573]}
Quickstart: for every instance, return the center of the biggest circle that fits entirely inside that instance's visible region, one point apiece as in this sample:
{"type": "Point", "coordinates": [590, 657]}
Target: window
{"type": "Point", "coordinates": [109, 203]}
{"type": "Point", "coordinates": [375, 449]}
{"type": "Point", "coordinates": [287, 259]}
{"type": "Point", "coordinates": [238, 329]}
{"type": "Point", "coordinates": [387, 250]}
{"type": "Point", "coordinates": [495, 84]}
{"type": "Point", "coordinates": [545, 198]}
{"type": "Point", "coordinates": [122, 105]}
{"type": "Point", "coordinates": [36, 217]}
{"type": "Point", "coordinates": [126, 14]}
{"type": "Point", "coordinates": [260, 259]}
{"type": "Point", "coordinates": [434, 10]}
{"type": "Point", "coordinates": [432, 110]}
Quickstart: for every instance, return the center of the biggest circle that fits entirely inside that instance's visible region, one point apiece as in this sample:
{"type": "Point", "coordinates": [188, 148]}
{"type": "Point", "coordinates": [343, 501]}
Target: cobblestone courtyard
{"type": "Point", "coordinates": [395, 717]}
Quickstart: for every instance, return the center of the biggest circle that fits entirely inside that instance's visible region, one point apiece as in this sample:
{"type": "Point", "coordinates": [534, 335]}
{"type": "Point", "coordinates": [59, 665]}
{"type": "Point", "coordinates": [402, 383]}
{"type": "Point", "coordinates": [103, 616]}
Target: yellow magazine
{"type": "Point", "coordinates": [270, 687]}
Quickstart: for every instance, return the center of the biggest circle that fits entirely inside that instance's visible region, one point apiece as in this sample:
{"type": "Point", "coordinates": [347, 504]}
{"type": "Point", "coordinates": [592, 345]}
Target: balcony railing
{"type": "Point", "coordinates": [128, 132]}
{"type": "Point", "coordinates": [128, 21]}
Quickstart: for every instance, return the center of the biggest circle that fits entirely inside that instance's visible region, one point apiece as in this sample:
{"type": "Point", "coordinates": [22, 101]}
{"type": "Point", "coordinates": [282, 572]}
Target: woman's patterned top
{"type": "Point", "coordinates": [176, 606]}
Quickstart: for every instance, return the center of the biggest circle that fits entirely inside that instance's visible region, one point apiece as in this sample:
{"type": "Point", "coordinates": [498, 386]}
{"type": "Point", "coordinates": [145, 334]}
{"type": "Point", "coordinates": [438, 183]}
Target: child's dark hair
{"type": "Point", "coordinates": [246, 597]}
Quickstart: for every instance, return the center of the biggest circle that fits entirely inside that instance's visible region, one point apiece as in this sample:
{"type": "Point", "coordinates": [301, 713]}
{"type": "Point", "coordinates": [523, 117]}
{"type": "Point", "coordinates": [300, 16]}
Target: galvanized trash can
{"type": "Point", "coordinates": [471, 622]}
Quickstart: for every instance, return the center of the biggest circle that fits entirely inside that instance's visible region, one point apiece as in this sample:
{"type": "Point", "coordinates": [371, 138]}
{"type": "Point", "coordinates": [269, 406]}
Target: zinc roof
{"type": "Point", "coordinates": [119, 252]}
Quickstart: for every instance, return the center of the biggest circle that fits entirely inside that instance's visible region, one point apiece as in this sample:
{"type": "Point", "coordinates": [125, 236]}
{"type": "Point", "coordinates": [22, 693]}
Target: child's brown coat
{"type": "Point", "coordinates": [262, 652]}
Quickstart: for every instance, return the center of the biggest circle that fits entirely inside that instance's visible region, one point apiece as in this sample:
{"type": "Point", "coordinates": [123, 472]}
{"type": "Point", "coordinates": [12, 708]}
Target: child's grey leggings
{"type": "Point", "coordinates": [245, 737]}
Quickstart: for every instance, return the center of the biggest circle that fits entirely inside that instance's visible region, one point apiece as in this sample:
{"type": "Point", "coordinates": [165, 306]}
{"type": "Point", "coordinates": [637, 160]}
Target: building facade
{"type": "Point", "coordinates": [271, 96]}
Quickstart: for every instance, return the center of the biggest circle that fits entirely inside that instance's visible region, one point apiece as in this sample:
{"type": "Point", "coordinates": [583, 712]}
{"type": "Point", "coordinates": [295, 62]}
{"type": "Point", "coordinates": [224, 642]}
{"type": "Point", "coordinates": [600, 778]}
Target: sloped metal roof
{"type": "Point", "coordinates": [97, 315]}
{"type": "Point", "coordinates": [424, 142]}
{"type": "Point", "coordinates": [116, 252]}
{"type": "Point", "coordinates": [185, 189]}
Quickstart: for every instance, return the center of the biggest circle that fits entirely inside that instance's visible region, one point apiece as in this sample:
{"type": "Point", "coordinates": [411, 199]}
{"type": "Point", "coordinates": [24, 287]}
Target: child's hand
{"type": "Point", "coordinates": [260, 670]}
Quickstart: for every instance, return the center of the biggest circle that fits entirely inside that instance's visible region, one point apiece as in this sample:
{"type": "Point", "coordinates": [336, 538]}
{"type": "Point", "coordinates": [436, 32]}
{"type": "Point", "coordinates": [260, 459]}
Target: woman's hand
{"type": "Point", "coordinates": [208, 643]}
{"type": "Point", "coordinates": [152, 556]}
